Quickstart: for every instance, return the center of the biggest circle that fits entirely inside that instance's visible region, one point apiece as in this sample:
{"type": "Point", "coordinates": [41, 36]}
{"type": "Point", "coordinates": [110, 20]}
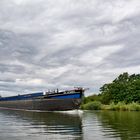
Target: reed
{"type": "Point", "coordinates": [120, 106]}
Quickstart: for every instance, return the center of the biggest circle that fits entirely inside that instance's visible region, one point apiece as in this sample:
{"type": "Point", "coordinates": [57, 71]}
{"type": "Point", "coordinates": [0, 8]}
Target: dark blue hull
{"type": "Point", "coordinates": [47, 102]}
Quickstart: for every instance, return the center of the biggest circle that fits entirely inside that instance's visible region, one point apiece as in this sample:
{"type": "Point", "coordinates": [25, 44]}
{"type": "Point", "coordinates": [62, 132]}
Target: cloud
{"type": "Point", "coordinates": [47, 44]}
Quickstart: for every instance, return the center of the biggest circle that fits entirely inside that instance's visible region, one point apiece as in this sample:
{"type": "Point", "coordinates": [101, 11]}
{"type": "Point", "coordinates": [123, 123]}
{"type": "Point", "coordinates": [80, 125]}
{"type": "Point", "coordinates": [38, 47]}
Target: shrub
{"type": "Point", "coordinates": [95, 105]}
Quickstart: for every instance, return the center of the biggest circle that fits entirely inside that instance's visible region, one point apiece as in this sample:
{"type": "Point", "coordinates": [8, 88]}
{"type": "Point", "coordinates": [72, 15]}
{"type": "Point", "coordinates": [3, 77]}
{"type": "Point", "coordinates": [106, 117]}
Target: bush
{"type": "Point", "coordinates": [95, 105]}
{"type": "Point", "coordinates": [92, 98]}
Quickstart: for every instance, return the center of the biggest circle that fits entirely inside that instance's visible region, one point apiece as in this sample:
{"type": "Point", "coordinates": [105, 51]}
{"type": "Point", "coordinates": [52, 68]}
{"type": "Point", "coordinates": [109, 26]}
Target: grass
{"type": "Point", "coordinates": [120, 106]}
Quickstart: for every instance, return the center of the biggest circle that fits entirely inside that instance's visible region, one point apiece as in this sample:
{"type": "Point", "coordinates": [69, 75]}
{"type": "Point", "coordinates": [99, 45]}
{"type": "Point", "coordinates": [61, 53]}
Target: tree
{"type": "Point", "coordinates": [124, 88]}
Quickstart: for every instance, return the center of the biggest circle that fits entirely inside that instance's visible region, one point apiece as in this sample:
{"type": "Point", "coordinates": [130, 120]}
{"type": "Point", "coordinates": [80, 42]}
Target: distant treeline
{"type": "Point", "coordinates": [125, 88]}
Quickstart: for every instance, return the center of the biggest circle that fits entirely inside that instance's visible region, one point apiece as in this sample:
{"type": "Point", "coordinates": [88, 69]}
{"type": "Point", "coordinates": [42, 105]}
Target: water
{"type": "Point", "coordinates": [73, 125]}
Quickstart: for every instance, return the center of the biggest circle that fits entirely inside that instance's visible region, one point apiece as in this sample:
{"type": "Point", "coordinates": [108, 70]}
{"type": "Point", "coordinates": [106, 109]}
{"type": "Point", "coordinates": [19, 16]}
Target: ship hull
{"type": "Point", "coordinates": [56, 101]}
{"type": "Point", "coordinates": [42, 104]}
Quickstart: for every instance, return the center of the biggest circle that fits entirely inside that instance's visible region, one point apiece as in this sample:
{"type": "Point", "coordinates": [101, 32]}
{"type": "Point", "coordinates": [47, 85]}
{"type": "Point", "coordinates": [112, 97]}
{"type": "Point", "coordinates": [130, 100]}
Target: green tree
{"type": "Point", "coordinates": [124, 88]}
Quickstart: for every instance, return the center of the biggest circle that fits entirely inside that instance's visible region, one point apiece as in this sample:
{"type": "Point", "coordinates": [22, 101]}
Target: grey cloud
{"type": "Point", "coordinates": [11, 68]}
{"type": "Point", "coordinates": [129, 55]}
{"type": "Point", "coordinates": [62, 44]}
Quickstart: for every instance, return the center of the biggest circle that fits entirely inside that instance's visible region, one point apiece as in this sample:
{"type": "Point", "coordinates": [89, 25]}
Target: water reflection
{"type": "Point", "coordinates": [125, 125]}
{"type": "Point", "coordinates": [111, 125]}
{"type": "Point", "coordinates": [92, 125]}
{"type": "Point", "coordinates": [40, 125]}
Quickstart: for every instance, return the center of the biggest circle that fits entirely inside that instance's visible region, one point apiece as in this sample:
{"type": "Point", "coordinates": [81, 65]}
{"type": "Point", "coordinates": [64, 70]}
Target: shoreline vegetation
{"type": "Point", "coordinates": [122, 94]}
{"type": "Point", "coordinates": [120, 106]}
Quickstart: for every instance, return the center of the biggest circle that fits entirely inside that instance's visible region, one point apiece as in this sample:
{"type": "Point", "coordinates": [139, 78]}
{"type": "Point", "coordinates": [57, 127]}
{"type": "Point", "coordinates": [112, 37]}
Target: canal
{"type": "Point", "coordinates": [71, 125]}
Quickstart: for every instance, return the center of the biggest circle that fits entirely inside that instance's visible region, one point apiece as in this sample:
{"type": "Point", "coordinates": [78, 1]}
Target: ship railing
{"type": "Point", "coordinates": [52, 92]}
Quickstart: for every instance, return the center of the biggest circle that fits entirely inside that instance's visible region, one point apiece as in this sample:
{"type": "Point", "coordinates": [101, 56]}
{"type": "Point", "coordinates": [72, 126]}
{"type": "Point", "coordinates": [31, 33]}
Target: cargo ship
{"type": "Point", "coordinates": [45, 101]}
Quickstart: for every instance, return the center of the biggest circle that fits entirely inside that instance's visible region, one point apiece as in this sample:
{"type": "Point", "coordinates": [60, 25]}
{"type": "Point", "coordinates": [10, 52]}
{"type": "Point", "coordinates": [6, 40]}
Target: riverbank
{"type": "Point", "coordinates": [120, 106]}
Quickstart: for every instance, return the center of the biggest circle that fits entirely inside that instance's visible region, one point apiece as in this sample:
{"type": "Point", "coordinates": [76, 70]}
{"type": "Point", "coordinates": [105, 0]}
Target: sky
{"type": "Point", "coordinates": [50, 44]}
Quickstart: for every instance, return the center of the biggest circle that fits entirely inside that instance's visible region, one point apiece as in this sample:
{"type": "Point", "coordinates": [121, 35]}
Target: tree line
{"type": "Point", "coordinates": [125, 88]}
